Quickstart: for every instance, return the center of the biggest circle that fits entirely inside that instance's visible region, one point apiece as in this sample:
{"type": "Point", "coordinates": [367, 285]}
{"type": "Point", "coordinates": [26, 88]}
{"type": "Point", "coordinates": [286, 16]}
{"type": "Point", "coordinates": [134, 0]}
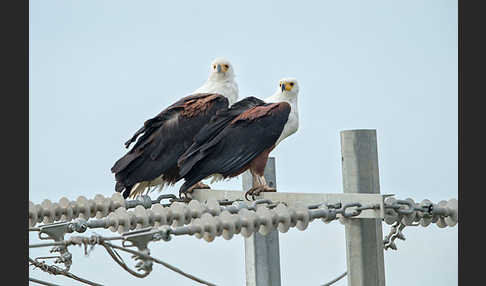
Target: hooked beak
{"type": "Point", "coordinates": [283, 87]}
{"type": "Point", "coordinates": [218, 68]}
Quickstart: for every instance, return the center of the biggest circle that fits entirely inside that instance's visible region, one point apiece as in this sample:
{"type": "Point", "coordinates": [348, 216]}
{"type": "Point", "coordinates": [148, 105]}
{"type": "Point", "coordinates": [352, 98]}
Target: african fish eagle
{"type": "Point", "coordinates": [241, 138]}
{"type": "Point", "coordinates": [153, 159]}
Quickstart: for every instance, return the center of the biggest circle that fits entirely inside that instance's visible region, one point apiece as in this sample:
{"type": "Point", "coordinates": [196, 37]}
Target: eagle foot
{"type": "Point", "coordinates": [199, 185]}
{"type": "Point", "coordinates": [186, 194]}
{"type": "Point", "coordinates": [255, 191]}
{"type": "Point", "coordinates": [184, 197]}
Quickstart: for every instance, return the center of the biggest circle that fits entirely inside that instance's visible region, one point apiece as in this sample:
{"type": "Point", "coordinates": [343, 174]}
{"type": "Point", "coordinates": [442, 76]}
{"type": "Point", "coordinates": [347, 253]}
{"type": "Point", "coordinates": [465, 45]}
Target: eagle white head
{"type": "Point", "coordinates": [221, 69]}
{"type": "Point", "coordinates": [221, 80]}
{"type": "Point", "coordinates": [288, 87]}
{"type": "Point", "coordinates": [287, 90]}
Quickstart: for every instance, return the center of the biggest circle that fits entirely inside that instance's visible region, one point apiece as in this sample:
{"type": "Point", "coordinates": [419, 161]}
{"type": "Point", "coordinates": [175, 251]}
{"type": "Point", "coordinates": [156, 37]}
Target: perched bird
{"type": "Point", "coordinates": [152, 161]}
{"type": "Point", "coordinates": [241, 138]}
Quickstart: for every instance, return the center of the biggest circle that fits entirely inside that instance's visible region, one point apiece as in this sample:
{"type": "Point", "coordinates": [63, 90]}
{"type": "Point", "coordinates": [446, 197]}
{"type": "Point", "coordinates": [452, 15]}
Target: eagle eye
{"type": "Point", "coordinates": [291, 84]}
{"type": "Point", "coordinates": [226, 66]}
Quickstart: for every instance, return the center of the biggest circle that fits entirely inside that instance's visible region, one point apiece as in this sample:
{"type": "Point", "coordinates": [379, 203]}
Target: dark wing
{"type": "Point", "coordinates": [243, 138]}
{"type": "Point", "coordinates": [165, 137]}
{"type": "Point", "coordinates": [216, 125]}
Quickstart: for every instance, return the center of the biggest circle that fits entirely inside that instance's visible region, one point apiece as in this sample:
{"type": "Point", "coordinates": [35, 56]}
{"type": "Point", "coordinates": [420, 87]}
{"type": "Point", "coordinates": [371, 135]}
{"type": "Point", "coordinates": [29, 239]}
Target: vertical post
{"type": "Point", "coordinates": [262, 259]}
{"type": "Point", "coordinates": [364, 237]}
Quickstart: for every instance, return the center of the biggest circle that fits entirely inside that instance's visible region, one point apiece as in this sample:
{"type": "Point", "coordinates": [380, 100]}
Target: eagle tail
{"type": "Point", "coordinates": [125, 190]}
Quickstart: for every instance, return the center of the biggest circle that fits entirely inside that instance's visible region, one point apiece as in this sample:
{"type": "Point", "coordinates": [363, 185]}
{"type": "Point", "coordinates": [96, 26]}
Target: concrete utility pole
{"type": "Point", "coordinates": [262, 257]}
{"type": "Point", "coordinates": [364, 237]}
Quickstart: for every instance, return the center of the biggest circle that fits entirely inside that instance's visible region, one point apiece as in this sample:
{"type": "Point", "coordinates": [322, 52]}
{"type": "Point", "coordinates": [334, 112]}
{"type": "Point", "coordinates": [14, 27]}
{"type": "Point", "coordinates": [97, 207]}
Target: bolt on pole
{"type": "Point", "coordinates": [262, 258]}
{"type": "Point", "coordinates": [364, 236]}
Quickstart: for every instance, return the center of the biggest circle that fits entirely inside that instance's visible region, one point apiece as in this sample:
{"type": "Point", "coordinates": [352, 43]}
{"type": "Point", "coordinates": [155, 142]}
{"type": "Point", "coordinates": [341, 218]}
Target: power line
{"type": "Point", "coordinates": [173, 268]}
{"type": "Point", "coordinates": [93, 240]}
{"type": "Point", "coordinates": [211, 219]}
{"type": "Point", "coordinates": [42, 282]}
{"type": "Point", "coordinates": [52, 269]}
{"type": "Point", "coordinates": [335, 279]}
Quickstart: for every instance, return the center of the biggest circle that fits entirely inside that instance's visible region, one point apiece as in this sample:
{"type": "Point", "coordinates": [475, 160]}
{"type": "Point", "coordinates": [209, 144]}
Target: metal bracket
{"type": "Point", "coordinates": [56, 232]}
{"type": "Point", "coordinates": [140, 239]}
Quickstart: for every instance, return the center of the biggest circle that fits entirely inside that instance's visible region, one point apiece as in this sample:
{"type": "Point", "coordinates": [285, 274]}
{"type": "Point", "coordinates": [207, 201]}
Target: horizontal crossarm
{"type": "Point", "coordinates": [302, 199]}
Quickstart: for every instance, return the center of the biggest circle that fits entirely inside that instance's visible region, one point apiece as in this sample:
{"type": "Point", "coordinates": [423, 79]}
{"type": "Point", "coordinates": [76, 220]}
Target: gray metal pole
{"type": "Point", "coordinates": [262, 258]}
{"type": "Point", "coordinates": [364, 237]}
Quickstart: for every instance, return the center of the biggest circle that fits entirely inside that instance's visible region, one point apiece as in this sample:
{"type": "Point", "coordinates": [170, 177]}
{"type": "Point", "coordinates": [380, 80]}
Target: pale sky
{"type": "Point", "coordinates": [99, 69]}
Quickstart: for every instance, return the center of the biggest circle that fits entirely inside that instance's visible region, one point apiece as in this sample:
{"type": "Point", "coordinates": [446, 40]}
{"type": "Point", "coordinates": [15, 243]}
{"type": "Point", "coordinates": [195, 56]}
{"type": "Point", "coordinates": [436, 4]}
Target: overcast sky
{"type": "Point", "coordinates": [99, 69]}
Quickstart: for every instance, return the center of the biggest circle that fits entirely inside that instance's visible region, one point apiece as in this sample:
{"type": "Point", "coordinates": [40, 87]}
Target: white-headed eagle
{"type": "Point", "coordinates": [152, 161]}
{"type": "Point", "coordinates": [241, 138]}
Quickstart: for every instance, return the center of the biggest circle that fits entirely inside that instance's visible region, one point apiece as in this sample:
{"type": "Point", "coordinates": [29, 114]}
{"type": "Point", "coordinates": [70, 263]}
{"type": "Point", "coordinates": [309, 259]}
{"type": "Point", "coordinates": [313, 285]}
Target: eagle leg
{"type": "Point", "coordinates": [257, 190]}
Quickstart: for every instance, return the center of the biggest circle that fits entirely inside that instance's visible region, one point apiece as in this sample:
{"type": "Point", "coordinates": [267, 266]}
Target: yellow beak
{"type": "Point", "coordinates": [221, 68]}
{"type": "Point", "coordinates": [286, 87]}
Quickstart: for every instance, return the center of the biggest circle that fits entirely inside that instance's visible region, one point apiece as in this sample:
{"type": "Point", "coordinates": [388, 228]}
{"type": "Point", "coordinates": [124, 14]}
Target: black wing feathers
{"type": "Point", "coordinates": [164, 138]}
{"type": "Point", "coordinates": [241, 140]}
{"type": "Point", "coordinates": [215, 126]}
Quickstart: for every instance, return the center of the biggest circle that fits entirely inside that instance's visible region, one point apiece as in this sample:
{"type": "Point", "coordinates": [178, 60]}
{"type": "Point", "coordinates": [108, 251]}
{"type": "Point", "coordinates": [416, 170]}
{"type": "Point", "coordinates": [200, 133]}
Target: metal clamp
{"type": "Point", "coordinates": [354, 213]}
{"type": "Point", "coordinates": [56, 232]}
{"type": "Point", "coordinates": [406, 211]}
{"type": "Point", "coordinates": [140, 239]}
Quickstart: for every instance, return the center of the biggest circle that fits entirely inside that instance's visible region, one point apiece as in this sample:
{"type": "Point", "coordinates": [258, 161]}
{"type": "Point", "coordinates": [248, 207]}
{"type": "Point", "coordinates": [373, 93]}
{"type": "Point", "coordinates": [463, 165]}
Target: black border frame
{"type": "Point", "coordinates": [15, 131]}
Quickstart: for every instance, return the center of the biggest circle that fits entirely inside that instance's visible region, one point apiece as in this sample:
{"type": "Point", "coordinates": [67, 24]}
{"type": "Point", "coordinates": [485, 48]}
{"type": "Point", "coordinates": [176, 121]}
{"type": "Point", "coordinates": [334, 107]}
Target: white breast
{"type": "Point", "coordinates": [229, 89]}
{"type": "Point", "coordinates": [290, 127]}
{"type": "Point", "coordinates": [292, 124]}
